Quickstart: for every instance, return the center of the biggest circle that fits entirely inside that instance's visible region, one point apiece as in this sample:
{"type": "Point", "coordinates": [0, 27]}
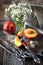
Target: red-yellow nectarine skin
{"type": "Point", "coordinates": [9, 27]}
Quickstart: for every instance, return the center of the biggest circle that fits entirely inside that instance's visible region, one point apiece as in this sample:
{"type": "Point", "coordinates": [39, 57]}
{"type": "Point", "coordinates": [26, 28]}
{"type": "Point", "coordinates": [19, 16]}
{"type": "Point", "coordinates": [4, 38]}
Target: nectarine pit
{"type": "Point", "coordinates": [30, 32]}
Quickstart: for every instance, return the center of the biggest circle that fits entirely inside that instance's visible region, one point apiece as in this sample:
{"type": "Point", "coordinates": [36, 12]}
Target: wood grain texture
{"type": "Point", "coordinates": [38, 2]}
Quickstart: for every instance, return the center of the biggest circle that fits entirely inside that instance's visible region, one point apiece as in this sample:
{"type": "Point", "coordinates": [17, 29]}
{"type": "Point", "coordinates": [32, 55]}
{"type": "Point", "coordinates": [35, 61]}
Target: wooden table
{"type": "Point", "coordinates": [29, 61]}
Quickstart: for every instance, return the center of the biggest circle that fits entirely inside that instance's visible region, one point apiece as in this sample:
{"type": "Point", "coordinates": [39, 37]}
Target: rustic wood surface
{"type": "Point", "coordinates": [3, 5]}
{"type": "Point", "coordinates": [12, 58]}
{"type": "Point", "coordinates": [33, 2]}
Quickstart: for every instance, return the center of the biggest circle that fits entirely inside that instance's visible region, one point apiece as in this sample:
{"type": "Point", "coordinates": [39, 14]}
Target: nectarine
{"type": "Point", "coordinates": [20, 33]}
{"type": "Point", "coordinates": [17, 42]}
{"type": "Point", "coordinates": [30, 33]}
{"type": "Point", "coordinates": [9, 27]}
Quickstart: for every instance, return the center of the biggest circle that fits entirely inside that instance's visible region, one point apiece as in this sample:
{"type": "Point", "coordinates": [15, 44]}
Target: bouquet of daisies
{"type": "Point", "coordinates": [18, 13]}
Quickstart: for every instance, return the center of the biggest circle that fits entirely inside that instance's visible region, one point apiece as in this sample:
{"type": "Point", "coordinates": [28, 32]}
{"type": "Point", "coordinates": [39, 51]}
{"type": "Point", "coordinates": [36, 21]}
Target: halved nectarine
{"type": "Point", "coordinates": [20, 33]}
{"type": "Point", "coordinates": [30, 33]}
{"type": "Point", "coordinates": [17, 42]}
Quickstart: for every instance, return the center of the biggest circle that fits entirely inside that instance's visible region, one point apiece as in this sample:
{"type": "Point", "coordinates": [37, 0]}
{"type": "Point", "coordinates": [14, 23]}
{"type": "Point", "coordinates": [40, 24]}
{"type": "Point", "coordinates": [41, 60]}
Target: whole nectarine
{"type": "Point", "coordinates": [9, 27]}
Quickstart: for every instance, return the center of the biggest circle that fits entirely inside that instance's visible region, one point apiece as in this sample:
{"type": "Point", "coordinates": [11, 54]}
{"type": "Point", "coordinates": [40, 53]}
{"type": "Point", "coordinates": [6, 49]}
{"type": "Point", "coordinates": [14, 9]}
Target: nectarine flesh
{"type": "Point", "coordinates": [17, 42]}
{"type": "Point", "coordinates": [30, 33]}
